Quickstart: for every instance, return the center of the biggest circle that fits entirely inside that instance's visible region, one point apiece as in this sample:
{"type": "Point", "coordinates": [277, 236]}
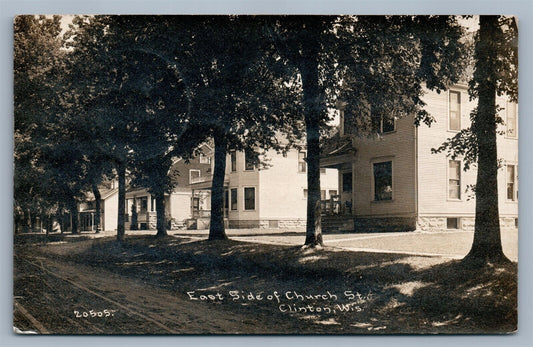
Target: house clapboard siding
{"type": "Point", "coordinates": [430, 192]}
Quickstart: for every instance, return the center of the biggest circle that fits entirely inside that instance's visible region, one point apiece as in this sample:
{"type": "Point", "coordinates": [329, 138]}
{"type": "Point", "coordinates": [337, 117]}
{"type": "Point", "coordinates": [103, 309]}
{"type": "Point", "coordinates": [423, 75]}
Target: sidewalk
{"type": "Point", "coordinates": [449, 244]}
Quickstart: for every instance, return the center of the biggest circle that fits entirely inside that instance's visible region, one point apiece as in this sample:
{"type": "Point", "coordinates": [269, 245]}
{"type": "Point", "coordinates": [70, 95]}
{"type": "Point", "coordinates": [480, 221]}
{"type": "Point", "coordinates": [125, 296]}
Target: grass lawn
{"type": "Point", "coordinates": [343, 291]}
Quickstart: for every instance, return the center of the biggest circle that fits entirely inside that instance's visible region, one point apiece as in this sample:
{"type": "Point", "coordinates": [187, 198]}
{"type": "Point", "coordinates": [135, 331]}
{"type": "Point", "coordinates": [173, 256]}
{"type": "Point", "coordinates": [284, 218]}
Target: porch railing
{"type": "Point", "coordinates": [334, 206]}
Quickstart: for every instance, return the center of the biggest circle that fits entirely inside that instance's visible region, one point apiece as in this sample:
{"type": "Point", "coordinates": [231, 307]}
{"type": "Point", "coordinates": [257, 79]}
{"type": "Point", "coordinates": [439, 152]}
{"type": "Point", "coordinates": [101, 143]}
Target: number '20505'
{"type": "Point", "coordinates": [92, 313]}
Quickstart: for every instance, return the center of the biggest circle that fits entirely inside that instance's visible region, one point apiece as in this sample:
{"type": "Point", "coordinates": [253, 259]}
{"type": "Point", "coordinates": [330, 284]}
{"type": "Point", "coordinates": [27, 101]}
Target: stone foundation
{"type": "Point", "coordinates": [266, 223]}
{"type": "Point", "coordinates": [292, 223]}
{"type": "Point", "coordinates": [385, 224]}
{"type": "Point", "coordinates": [508, 223]}
{"type": "Point", "coordinates": [439, 224]}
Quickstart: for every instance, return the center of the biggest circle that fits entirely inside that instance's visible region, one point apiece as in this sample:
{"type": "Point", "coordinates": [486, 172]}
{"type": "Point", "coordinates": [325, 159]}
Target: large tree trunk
{"type": "Point", "coordinates": [312, 109]}
{"type": "Point", "coordinates": [487, 246]}
{"type": "Point", "coordinates": [216, 227]}
{"type": "Point", "coordinates": [97, 198]}
{"type": "Point", "coordinates": [121, 200]}
{"type": "Point", "coordinates": [160, 210]}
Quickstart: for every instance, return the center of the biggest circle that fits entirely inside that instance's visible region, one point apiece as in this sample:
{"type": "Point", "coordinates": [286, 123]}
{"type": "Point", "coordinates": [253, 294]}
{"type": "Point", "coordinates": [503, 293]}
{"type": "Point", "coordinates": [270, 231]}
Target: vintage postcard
{"type": "Point", "coordinates": [265, 174]}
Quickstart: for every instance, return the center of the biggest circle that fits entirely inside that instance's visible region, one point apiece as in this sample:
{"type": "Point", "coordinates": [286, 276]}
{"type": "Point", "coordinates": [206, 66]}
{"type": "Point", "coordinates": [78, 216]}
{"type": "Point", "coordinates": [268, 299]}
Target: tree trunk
{"type": "Point", "coordinates": [312, 110]}
{"type": "Point", "coordinates": [97, 198]}
{"type": "Point", "coordinates": [160, 210]}
{"type": "Point", "coordinates": [134, 222]}
{"type": "Point", "coordinates": [121, 200]}
{"type": "Point", "coordinates": [49, 224]}
{"type": "Point", "coordinates": [216, 227]}
{"type": "Point", "coordinates": [26, 221]}
{"type": "Point", "coordinates": [74, 215]}
{"type": "Point", "coordinates": [487, 246]}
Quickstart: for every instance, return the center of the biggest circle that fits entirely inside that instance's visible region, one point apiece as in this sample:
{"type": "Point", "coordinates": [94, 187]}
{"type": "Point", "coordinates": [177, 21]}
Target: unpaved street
{"type": "Point", "coordinates": [57, 297]}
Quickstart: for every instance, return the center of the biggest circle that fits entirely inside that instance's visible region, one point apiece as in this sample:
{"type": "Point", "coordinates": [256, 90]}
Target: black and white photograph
{"type": "Point", "coordinates": [265, 174]}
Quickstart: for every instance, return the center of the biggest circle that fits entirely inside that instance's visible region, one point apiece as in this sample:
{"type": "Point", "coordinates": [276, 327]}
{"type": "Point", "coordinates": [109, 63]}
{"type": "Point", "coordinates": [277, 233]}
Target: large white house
{"type": "Point", "coordinates": [273, 197]}
{"type": "Point", "coordinates": [394, 182]}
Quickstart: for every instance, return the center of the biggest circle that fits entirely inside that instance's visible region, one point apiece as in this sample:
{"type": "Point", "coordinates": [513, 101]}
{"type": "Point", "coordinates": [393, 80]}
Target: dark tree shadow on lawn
{"type": "Point", "coordinates": [400, 293]}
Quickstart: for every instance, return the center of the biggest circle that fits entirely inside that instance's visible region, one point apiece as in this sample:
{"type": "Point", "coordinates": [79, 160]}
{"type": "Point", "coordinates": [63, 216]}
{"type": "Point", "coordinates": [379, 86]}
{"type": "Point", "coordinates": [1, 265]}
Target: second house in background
{"type": "Point", "coordinates": [269, 197]}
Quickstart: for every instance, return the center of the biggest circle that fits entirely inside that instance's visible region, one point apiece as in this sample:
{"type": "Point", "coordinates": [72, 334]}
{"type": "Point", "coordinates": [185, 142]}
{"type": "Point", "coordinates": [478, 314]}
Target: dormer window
{"type": "Point", "coordinates": [205, 159]}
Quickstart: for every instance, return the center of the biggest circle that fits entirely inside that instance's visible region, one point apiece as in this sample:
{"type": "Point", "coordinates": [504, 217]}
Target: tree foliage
{"type": "Point", "coordinates": [496, 73]}
{"type": "Point", "coordinates": [236, 89]}
{"type": "Point", "coordinates": [37, 71]}
{"type": "Point", "coordinates": [377, 65]}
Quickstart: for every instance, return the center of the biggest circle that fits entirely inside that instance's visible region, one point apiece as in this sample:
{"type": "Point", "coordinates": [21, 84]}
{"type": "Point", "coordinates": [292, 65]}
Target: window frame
{"type": "Point", "coordinates": [234, 205]}
{"type": "Point", "coordinates": [514, 183]}
{"type": "Point", "coordinates": [246, 163]}
{"type": "Point", "coordinates": [460, 181]}
{"type": "Point", "coordinates": [204, 159]}
{"type": "Point", "coordinates": [373, 175]}
{"type": "Point", "coordinates": [458, 225]}
{"type": "Point", "coordinates": [381, 131]}
{"type": "Point", "coordinates": [194, 170]}
{"type": "Point", "coordinates": [459, 111]}
{"type": "Point", "coordinates": [233, 161]}
{"type": "Point", "coordinates": [302, 161]}
{"type": "Point", "coordinates": [244, 199]}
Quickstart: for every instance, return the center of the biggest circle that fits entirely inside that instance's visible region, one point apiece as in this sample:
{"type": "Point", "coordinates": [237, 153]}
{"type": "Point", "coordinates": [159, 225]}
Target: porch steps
{"type": "Point", "coordinates": [332, 223]}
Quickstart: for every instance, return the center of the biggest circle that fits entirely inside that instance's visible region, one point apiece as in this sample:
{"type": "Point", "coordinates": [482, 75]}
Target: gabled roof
{"type": "Point", "coordinates": [105, 193]}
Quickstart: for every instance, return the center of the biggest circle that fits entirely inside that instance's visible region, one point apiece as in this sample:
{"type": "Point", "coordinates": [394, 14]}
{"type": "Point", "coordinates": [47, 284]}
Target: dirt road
{"type": "Point", "coordinates": [57, 297]}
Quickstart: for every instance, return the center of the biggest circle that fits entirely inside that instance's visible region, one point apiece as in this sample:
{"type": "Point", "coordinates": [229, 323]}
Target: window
{"type": "Point", "coordinates": [248, 162]}
{"type": "Point", "coordinates": [511, 119]}
{"type": "Point", "coordinates": [233, 199]}
{"type": "Point", "coordinates": [205, 159]}
{"type": "Point", "coordinates": [347, 182]}
{"type": "Point", "coordinates": [452, 223]}
{"type": "Point", "coordinates": [249, 198]}
{"type": "Point", "coordinates": [387, 124]}
{"type": "Point", "coordinates": [383, 124]}
{"type": "Point", "coordinates": [302, 164]}
{"type": "Point", "coordinates": [152, 204]}
{"type": "Point", "coordinates": [332, 193]}
{"type": "Point", "coordinates": [305, 193]}
{"type": "Point", "coordinates": [511, 176]}
{"type": "Point", "coordinates": [322, 171]}
{"type": "Point", "coordinates": [454, 179]}
{"type": "Point", "coordinates": [193, 175]}
{"type": "Point", "coordinates": [233, 156]}
{"type": "Point", "coordinates": [383, 181]}
{"type": "Point", "coordinates": [454, 111]}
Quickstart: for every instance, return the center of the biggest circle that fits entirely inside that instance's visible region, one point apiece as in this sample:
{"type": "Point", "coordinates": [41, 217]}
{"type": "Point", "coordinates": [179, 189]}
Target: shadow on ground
{"type": "Point", "coordinates": [353, 292]}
